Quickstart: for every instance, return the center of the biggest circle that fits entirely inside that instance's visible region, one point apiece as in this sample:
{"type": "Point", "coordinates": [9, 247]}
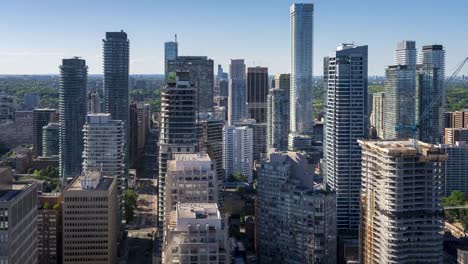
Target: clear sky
{"type": "Point", "coordinates": [36, 34]}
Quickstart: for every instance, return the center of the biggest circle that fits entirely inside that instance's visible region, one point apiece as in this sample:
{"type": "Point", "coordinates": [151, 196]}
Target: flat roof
{"type": "Point", "coordinates": [16, 189]}
{"type": "Point", "coordinates": [103, 185]}
{"type": "Point", "coordinates": [198, 211]}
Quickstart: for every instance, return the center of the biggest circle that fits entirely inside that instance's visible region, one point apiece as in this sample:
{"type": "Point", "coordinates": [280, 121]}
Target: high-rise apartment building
{"type": "Point", "coordinates": [50, 140]}
{"type": "Point", "coordinates": [302, 45]}
{"type": "Point", "coordinates": [104, 145]}
{"type": "Point", "coordinates": [18, 220]}
{"type": "Point", "coordinates": [73, 108]}
{"type": "Point", "coordinates": [377, 116]}
{"type": "Point", "coordinates": [456, 119]}
{"type": "Point", "coordinates": [277, 119]}
{"type": "Point", "coordinates": [296, 223]}
{"type": "Point", "coordinates": [400, 101]}
{"type": "Point", "coordinates": [257, 92]}
{"type": "Point", "coordinates": [429, 115]}
{"type": "Point", "coordinates": [49, 227]}
{"type": "Point", "coordinates": [90, 219]}
{"type": "Point", "coordinates": [191, 178]}
{"type": "Point", "coordinates": [196, 233]}
{"type": "Point", "coordinates": [401, 212]}
{"type": "Point", "coordinates": [455, 168]}
{"type": "Point", "coordinates": [283, 82]}
{"type": "Point", "coordinates": [222, 83]}
{"type": "Point", "coordinates": [7, 107]}
{"type": "Point", "coordinates": [171, 51]}
{"type": "Point", "coordinates": [259, 131]}
{"type": "Point", "coordinates": [201, 75]}
{"type": "Point", "coordinates": [94, 103]}
{"type": "Point", "coordinates": [31, 101]}
{"type": "Point", "coordinates": [139, 129]}
{"type": "Point", "coordinates": [452, 135]}
{"type": "Point", "coordinates": [41, 117]}
{"type": "Point", "coordinates": [405, 53]}
{"type": "Point", "coordinates": [237, 104]}
{"type": "Point", "coordinates": [178, 128]}
{"type": "Point", "coordinates": [346, 122]}
{"type": "Point", "coordinates": [238, 151]}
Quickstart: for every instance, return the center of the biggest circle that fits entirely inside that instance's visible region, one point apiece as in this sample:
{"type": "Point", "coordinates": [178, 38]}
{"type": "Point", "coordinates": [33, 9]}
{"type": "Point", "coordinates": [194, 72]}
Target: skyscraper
{"type": "Point", "coordinates": [49, 227]}
{"type": "Point", "coordinates": [346, 122]}
{"type": "Point", "coordinates": [201, 75]}
{"type": "Point", "coordinates": [50, 140]}
{"type": "Point", "coordinates": [116, 65]}
{"type": "Point", "coordinates": [455, 168]}
{"type": "Point", "coordinates": [73, 108]}
{"type": "Point", "coordinates": [41, 117]}
{"type": "Point", "coordinates": [401, 212]}
{"type": "Point", "coordinates": [277, 117]}
{"type": "Point", "coordinates": [139, 129]}
{"type": "Point", "coordinates": [302, 44]}
{"type": "Point", "coordinates": [171, 51]}
{"type": "Point", "coordinates": [237, 104]}
{"type": "Point", "coordinates": [238, 151]}
{"type": "Point", "coordinates": [405, 53]}
{"type": "Point", "coordinates": [178, 126]}
{"type": "Point", "coordinates": [377, 116]}
{"type": "Point", "coordinates": [257, 92]}
{"type": "Point", "coordinates": [399, 104]}
{"type": "Point", "coordinates": [104, 145]}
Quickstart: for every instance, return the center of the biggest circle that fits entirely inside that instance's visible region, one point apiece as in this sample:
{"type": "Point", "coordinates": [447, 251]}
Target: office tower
{"type": "Point", "coordinates": [377, 116]}
{"type": "Point", "coordinates": [41, 117]}
{"type": "Point", "coordinates": [191, 178]}
{"type": "Point", "coordinates": [139, 129]}
{"type": "Point", "coordinates": [222, 84]}
{"type": "Point", "coordinates": [24, 127]}
{"type": "Point", "coordinates": [18, 214]}
{"type": "Point", "coordinates": [201, 74]}
{"type": "Point", "coordinates": [237, 105]}
{"type": "Point", "coordinates": [197, 233]}
{"type": "Point", "coordinates": [429, 115]}
{"type": "Point", "coordinates": [296, 222]}
{"type": "Point", "coordinates": [259, 131]}
{"type": "Point", "coordinates": [346, 122]}
{"type": "Point", "coordinates": [405, 53]}
{"type": "Point", "coordinates": [257, 92]}
{"type": "Point", "coordinates": [50, 140]}
{"type": "Point", "coordinates": [7, 107]}
{"type": "Point", "coordinates": [277, 115]}
{"type": "Point", "coordinates": [104, 145]}
{"type": "Point", "coordinates": [401, 211]}
{"type": "Point", "coordinates": [90, 234]}
{"type": "Point", "coordinates": [31, 101]}
{"type": "Point", "coordinates": [94, 103]}
{"type": "Point", "coordinates": [73, 108]}
{"type": "Point", "coordinates": [399, 104]}
{"type": "Point", "coordinates": [238, 151]}
{"type": "Point", "coordinates": [302, 45]}
{"type": "Point", "coordinates": [49, 226]}
{"type": "Point", "coordinates": [453, 135]}
{"type": "Point", "coordinates": [178, 126]}
{"type": "Point", "coordinates": [455, 168]}
{"type": "Point", "coordinates": [283, 82]}
{"type": "Point", "coordinates": [171, 51]}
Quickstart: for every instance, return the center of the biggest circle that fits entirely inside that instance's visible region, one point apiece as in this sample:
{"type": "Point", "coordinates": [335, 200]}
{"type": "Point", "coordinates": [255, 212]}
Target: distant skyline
{"type": "Point", "coordinates": [36, 35]}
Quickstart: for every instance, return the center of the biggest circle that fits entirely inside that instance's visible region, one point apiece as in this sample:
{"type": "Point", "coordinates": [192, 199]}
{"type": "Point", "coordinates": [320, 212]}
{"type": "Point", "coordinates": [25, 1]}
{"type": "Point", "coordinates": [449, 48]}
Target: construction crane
{"type": "Point", "coordinates": [414, 128]}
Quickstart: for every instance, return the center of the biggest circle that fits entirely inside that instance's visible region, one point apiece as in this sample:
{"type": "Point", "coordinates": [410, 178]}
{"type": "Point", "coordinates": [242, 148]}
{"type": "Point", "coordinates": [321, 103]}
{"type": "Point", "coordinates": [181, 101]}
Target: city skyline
{"type": "Point", "coordinates": [148, 25]}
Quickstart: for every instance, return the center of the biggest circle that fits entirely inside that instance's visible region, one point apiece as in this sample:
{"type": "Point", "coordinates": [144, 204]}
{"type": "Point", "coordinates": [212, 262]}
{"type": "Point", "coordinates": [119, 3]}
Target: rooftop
{"type": "Point", "coordinates": [198, 211]}
{"type": "Point", "coordinates": [398, 148]}
{"type": "Point", "coordinates": [91, 181]}
{"type": "Point", "coordinates": [16, 189]}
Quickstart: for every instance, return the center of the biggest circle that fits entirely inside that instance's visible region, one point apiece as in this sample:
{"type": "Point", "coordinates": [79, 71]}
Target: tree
{"type": "Point", "coordinates": [456, 198]}
{"type": "Point", "coordinates": [130, 203]}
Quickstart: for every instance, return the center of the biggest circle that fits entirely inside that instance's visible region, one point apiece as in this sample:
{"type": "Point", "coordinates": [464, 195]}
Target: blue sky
{"type": "Point", "coordinates": [36, 35]}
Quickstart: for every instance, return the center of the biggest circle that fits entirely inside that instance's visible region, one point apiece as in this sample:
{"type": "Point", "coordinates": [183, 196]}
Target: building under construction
{"type": "Point", "coordinates": [401, 213]}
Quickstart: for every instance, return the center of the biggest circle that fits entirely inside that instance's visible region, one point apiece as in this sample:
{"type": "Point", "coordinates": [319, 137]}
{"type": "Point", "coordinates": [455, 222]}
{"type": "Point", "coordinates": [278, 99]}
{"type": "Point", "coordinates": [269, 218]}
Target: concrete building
{"type": "Point", "coordinates": [18, 220]}
{"type": "Point", "coordinates": [302, 45]}
{"type": "Point", "coordinates": [7, 107]}
{"type": "Point", "coordinates": [257, 92]}
{"type": "Point", "coordinates": [237, 104]}
{"type": "Point", "coordinates": [455, 168]}
{"type": "Point", "coordinates": [49, 227]}
{"type": "Point", "coordinates": [31, 101]}
{"type": "Point", "coordinates": [456, 119]}
{"type": "Point", "coordinates": [191, 178]}
{"type": "Point", "coordinates": [405, 53]}
{"type": "Point", "coordinates": [452, 135]}
{"type": "Point", "coordinates": [277, 119]}
{"type": "Point", "coordinates": [296, 223]}
{"type": "Point", "coordinates": [259, 131]}
{"type": "Point", "coordinates": [90, 219]}
{"type": "Point", "coordinates": [401, 212]}
{"type": "Point", "coordinates": [201, 75]}
{"type": "Point", "coordinates": [222, 83]}
{"type": "Point", "coordinates": [238, 151]}
{"type": "Point", "coordinates": [346, 122]}
{"type": "Point", "coordinates": [377, 116]}
{"type": "Point", "coordinates": [50, 140]}
{"type": "Point", "coordinates": [283, 82]}
{"type": "Point", "coordinates": [139, 129]}
{"type": "Point", "coordinates": [400, 101]}
{"type": "Point", "coordinates": [104, 145]}
{"type": "Point", "coordinates": [23, 127]}
{"type": "Point", "coordinates": [94, 103]}
{"type": "Point", "coordinates": [41, 117]}
{"type": "Point", "coordinates": [73, 109]}
{"type": "Point", "coordinates": [178, 128]}
{"type": "Point", "coordinates": [196, 234]}
{"type": "Point", "coordinates": [171, 52]}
